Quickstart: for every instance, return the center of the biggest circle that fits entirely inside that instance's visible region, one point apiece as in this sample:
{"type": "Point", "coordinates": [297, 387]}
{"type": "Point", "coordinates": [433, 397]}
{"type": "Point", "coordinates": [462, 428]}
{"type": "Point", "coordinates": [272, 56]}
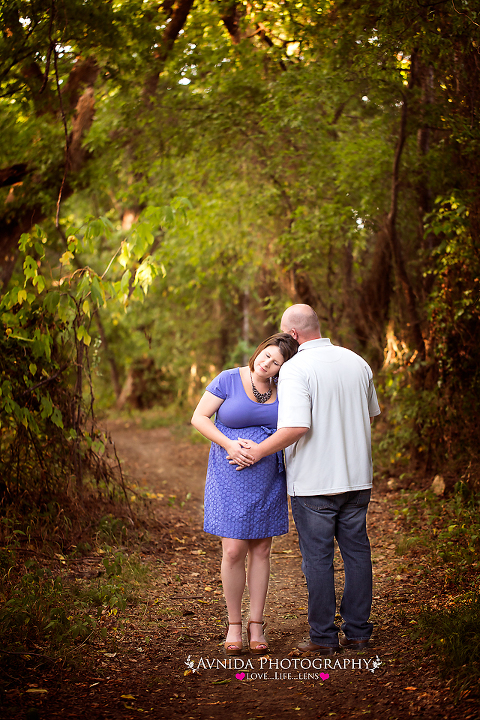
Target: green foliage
{"type": "Point", "coordinates": [111, 529]}
{"type": "Point", "coordinates": [36, 610]}
{"type": "Point", "coordinates": [454, 306]}
{"type": "Point", "coordinates": [48, 436]}
{"type": "Point", "coordinates": [281, 123]}
{"type": "Point", "coordinates": [447, 533]}
{"type": "Point", "coordinates": [407, 410]}
{"type": "Point", "coordinates": [45, 522]}
{"type": "Point", "coordinates": [433, 406]}
{"type": "Point", "coordinates": [453, 634]}
{"type": "Point", "coordinates": [449, 528]}
{"type": "Point", "coordinates": [172, 500]}
{"type": "Point", "coordinates": [41, 609]}
{"type": "Point", "coordinates": [46, 317]}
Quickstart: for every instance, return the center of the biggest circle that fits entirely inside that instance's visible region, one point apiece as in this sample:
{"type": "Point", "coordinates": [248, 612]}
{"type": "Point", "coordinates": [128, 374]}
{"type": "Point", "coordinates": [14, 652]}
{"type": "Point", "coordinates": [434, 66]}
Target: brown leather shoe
{"type": "Point", "coordinates": [309, 646]}
{"type": "Point", "coordinates": [353, 644]}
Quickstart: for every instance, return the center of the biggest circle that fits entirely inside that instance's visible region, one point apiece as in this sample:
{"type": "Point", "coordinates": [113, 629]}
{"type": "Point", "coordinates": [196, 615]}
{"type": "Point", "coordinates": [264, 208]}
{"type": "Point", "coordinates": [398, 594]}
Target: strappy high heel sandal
{"type": "Point", "coordinates": [233, 648]}
{"type": "Point", "coordinates": [257, 648]}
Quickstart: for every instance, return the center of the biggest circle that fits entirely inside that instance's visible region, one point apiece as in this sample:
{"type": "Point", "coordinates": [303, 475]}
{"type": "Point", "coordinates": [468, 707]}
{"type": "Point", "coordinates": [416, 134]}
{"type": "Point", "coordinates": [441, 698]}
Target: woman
{"type": "Point", "coordinates": [246, 509]}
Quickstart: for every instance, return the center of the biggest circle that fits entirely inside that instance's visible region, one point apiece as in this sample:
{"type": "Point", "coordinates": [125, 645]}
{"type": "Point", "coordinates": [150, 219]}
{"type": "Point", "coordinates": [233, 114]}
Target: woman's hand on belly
{"type": "Point", "coordinates": [248, 444]}
{"type": "Point", "coordinates": [237, 453]}
{"type": "Point", "coordinates": [244, 459]}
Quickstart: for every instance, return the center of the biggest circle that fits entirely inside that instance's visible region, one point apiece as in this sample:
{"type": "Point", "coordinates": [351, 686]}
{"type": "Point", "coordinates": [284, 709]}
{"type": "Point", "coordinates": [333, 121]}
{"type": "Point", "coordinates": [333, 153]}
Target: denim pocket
{"type": "Point", "coordinates": [363, 497]}
{"type": "Point", "coordinates": [319, 502]}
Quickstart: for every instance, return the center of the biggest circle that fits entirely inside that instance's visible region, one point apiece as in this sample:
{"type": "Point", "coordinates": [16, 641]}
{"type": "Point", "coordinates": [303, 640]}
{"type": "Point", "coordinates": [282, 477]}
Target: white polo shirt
{"type": "Point", "coordinates": [330, 390]}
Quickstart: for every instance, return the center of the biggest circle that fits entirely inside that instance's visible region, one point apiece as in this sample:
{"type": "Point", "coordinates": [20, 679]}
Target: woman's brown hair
{"type": "Point", "coordinates": [287, 345]}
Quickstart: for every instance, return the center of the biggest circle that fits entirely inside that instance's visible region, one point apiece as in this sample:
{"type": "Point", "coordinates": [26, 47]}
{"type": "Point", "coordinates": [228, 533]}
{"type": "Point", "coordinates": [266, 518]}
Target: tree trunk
{"type": "Point", "coordinates": [246, 323]}
{"type": "Point", "coordinates": [77, 416]}
{"type": "Point", "coordinates": [391, 227]}
{"type": "Point", "coordinates": [114, 374]}
{"type": "Point", "coordinates": [370, 315]}
{"type": "Point", "coordinates": [178, 19]}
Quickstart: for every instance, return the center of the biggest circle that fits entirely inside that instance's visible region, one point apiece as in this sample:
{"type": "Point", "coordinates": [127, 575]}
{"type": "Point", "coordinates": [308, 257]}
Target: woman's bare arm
{"type": "Point", "coordinates": [201, 420]}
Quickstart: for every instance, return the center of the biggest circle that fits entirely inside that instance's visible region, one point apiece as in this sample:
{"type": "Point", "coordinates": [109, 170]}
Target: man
{"type": "Point", "coordinates": [327, 402]}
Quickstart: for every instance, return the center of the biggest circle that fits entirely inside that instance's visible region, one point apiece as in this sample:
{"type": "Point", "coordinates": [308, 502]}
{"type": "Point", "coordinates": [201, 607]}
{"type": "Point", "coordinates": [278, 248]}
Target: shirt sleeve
{"type": "Point", "coordinates": [373, 406]}
{"type": "Point", "coordinates": [218, 386]}
{"type": "Point", "coordinates": [294, 400]}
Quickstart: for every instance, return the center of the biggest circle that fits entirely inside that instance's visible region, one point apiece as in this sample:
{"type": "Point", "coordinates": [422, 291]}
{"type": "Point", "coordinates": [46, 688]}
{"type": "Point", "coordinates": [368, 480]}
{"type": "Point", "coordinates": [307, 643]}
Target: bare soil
{"type": "Point", "coordinates": [167, 659]}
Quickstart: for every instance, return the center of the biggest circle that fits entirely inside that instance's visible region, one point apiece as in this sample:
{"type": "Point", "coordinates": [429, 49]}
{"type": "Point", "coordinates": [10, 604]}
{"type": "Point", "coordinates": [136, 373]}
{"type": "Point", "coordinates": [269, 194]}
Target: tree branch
{"type": "Point", "coordinates": [13, 174]}
{"type": "Point", "coordinates": [46, 380]}
{"type": "Point", "coordinates": [175, 25]}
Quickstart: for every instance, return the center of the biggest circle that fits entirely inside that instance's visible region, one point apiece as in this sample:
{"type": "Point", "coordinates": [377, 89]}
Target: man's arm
{"type": "Point", "coordinates": [278, 441]}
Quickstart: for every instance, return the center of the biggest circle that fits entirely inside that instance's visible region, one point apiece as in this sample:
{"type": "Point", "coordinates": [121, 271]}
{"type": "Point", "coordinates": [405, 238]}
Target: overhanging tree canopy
{"type": "Point", "coordinates": [330, 151]}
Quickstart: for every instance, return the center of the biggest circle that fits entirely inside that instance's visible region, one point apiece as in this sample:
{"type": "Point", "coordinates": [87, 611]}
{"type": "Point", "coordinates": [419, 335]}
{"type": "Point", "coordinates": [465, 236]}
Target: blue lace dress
{"type": "Point", "coordinates": [250, 503]}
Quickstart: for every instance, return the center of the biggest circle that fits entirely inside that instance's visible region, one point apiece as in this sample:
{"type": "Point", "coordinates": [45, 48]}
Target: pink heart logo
{"type": "Point", "coordinates": [324, 676]}
{"type": "Point", "coordinates": [240, 676]}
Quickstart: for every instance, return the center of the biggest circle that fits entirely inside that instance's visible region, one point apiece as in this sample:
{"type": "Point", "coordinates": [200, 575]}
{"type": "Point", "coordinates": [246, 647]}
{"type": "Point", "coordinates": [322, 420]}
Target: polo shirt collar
{"type": "Point", "coordinates": [310, 344]}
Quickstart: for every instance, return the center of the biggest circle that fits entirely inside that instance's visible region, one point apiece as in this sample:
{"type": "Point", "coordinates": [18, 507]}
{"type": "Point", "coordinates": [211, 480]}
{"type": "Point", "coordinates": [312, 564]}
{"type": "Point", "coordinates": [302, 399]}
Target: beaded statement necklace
{"type": "Point", "coordinates": [260, 397]}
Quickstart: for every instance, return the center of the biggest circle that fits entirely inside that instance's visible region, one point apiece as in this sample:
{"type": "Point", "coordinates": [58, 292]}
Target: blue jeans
{"type": "Point", "coordinates": [320, 519]}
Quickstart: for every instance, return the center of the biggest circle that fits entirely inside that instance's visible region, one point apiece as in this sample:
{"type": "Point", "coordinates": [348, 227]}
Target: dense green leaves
{"type": "Point", "coordinates": [311, 140]}
{"type": "Point", "coordinates": [46, 321]}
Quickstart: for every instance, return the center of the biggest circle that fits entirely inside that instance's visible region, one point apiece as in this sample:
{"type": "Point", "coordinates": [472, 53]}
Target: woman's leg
{"type": "Point", "coordinates": [233, 580]}
{"type": "Point", "coordinates": [258, 574]}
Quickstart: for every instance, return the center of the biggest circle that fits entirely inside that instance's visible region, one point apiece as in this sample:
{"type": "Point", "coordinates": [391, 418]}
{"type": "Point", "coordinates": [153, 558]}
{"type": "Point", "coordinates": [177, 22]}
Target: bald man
{"type": "Point", "coordinates": [327, 402]}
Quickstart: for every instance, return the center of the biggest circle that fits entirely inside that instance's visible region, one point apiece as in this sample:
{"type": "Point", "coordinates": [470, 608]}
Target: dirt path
{"type": "Point", "coordinates": [168, 660]}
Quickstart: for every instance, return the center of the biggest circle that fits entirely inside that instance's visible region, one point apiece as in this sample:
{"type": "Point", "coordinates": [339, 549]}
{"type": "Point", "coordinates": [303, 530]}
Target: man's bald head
{"type": "Point", "coordinates": [301, 322]}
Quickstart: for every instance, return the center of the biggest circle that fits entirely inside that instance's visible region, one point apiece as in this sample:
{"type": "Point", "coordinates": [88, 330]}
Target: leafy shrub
{"type": "Point", "coordinates": [43, 610]}
{"type": "Point", "coordinates": [448, 527]}
{"type": "Point", "coordinates": [45, 445]}
{"type": "Point", "coordinates": [449, 531]}
{"type": "Point", "coordinates": [432, 405]}
{"type": "Point", "coordinates": [48, 441]}
{"type": "Point", "coordinates": [111, 529]}
{"type": "Point", "coordinates": [35, 611]}
{"type": "Point", "coordinates": [453, 634]}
